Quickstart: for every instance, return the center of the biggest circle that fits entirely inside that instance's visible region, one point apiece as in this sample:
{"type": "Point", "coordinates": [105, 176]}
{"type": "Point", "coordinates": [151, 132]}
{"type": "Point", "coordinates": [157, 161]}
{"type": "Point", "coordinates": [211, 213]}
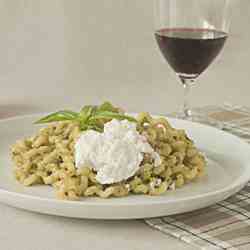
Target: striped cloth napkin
{"type": "Point", "coordinates": [225, 225]}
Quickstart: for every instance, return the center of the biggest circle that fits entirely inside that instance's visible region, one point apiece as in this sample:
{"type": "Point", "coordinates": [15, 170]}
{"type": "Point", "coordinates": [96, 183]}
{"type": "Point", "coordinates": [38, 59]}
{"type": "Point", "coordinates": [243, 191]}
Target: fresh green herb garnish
{"type": "Point", "coordinates": [90, 116]}
{"type": "Point", "coordinates": [64, 115]}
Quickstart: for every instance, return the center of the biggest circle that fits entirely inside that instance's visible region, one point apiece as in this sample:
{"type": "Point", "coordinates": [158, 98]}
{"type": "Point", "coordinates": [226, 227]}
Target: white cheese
{"type": "Point", "coordinates": [116, 154]}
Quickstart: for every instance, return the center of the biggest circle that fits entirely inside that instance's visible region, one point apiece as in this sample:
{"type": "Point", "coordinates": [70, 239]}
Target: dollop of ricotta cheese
{"type": "Point", "coordinates": [115, 154]}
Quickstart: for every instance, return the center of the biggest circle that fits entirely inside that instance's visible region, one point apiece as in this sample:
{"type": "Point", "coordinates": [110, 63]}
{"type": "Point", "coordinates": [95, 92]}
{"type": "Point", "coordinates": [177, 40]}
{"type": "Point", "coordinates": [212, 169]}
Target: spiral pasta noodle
{"type": "Point", "coordinates": [48, 159]}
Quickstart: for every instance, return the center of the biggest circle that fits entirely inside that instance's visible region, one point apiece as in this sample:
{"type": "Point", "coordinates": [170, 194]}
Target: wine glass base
{"type": "Point", "coordinates": [199, 118]}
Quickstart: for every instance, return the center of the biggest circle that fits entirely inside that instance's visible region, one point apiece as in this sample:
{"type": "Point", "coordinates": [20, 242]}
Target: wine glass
{"type": "Point", "coordinates": [190, 34]}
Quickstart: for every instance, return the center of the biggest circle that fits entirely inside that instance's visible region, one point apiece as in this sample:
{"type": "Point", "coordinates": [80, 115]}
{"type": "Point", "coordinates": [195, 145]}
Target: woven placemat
{"type": "Point", "coordinates": [225, 225]}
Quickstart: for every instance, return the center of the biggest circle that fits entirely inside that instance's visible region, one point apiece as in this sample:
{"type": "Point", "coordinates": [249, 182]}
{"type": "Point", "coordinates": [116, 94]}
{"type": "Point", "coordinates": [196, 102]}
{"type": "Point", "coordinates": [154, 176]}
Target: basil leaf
{"type": "Point", "coordinates": [86, 112]}
{"type": "Point", "coordinates": [83, 126]}
{"type": "Point", "coordinates": [64, 115]}
{"type": "Point", "coordinates": [96, 128]}
{"type": "Point", "coordinates": [112, 115]}
{"type": "Point", "coordinates": [90, 116]}
{"type": "Point", "coordinates": [107, 106]}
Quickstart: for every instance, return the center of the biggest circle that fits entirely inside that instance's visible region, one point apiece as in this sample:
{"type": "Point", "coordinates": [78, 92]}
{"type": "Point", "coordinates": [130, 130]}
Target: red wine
{"type": "Point", "coordinates": [190, 51]}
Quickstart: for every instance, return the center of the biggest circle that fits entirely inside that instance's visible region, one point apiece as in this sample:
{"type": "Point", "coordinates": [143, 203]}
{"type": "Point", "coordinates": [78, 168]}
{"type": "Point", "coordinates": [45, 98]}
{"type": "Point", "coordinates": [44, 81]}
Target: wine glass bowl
{"type": "Point", "coordinates": [190, 35]}
{"type": "Point", "coordinates": [190, 51]}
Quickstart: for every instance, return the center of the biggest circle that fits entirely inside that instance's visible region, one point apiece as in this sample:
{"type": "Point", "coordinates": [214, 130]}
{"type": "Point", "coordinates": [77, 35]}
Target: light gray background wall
{"type": "Point", "coordinates": [59, 53]}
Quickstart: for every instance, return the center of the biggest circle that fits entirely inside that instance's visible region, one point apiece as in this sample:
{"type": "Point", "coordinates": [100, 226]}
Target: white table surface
{"type": "Point", "coordinates": [64, 54]}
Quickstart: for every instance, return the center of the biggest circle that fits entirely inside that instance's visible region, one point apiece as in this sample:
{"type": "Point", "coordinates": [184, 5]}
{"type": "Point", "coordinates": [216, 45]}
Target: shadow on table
{"type": "Point", "coordinates": [10, 110]}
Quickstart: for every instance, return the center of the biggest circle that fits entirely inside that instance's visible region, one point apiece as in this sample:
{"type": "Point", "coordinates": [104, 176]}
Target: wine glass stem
{"type": "Point", "coordinates": [187, 84]}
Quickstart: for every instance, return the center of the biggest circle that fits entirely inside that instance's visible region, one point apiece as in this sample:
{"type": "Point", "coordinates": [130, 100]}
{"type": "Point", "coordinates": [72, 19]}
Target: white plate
{"type": "Point", "coordinates": [228, 171]}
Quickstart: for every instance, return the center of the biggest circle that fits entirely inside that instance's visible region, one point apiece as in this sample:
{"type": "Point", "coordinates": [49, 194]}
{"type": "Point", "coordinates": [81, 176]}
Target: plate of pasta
{"type": "Point", "coordinates": [102, 163]}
